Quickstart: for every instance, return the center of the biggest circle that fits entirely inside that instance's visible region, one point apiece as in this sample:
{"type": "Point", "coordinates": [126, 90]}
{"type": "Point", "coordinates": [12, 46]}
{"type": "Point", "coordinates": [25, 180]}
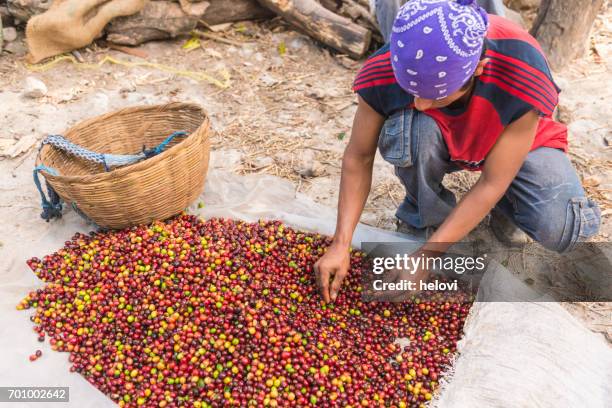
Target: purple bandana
{"type": "Point", "coordinates": [436, 45]}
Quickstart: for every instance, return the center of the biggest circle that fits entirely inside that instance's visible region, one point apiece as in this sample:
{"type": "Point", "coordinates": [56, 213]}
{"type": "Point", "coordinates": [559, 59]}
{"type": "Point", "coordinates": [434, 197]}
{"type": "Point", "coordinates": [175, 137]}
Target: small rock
{"type": "Point", "coordinates": [127, 89]}
{"type": "Point", "coordinates": [317, 94]}
{"type": "Point", "coordinates": [99, 103]}
{"type": "Point", "coordinates": [14, 149]}
{"type": "Point", "coordinates": [297, 43]}
{"type": "Point", "coordinates": [68, 95]}
{"type": "Point", "coordinates": [282, 158]}
{"type": "Point", "coordinates": [562, 83]}
{"type": "Point", "coordinates": [369, 218]}
{"type": "Point", "coordinates": [276, 61]}
{"type": "Point", "coordinates": [213, 53]}
{"type": "Point", "coordinates": [323, 93]}
{"type": "Point", "coordinates": [226, 159]}
{"type": "Point", "coordinates": [345, 61]}
{"type": "Point", "coordinates": [308, 166]}
{"type": "Point", "coordinates": [247, 30]}
{"type": "Point", "coordinates": [34, 88]}
{"type": "Point", "coordinates": [16, 48]}
{"type": "Point", "coordinates": [217, 28]}
{"type": "Point", "coordinates": [5, 16]}
{"type": "Point", "coordinates": [261, 162]}
{"type": "Point", "coordinates": [9, 34]}
{"type": "Point", "coordinates": [268, 80]}
{"type": "Point", "coordinates": [563, 114]}
{"type": "Point", "coordinates": [246, 51]}
{"type": "Point", "coordinates": [315, 169]}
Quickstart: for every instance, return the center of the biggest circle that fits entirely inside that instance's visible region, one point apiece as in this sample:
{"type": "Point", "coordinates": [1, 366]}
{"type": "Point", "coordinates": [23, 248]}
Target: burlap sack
{"type": "Point", "coordinates": [73, 24]}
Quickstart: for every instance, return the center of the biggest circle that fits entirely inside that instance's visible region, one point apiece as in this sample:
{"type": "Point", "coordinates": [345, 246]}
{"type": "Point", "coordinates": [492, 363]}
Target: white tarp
{"type": "Point", "coordinates": [512, 354]}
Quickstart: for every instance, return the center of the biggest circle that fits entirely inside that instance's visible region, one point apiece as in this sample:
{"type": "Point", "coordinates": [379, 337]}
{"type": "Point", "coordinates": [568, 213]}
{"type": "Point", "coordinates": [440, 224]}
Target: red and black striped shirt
{"type": "Point", "coordinates": [516, 80]}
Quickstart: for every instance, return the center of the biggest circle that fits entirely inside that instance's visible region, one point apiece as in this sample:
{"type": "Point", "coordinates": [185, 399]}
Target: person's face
{"type": "Point", "coordinates": [423, 104]}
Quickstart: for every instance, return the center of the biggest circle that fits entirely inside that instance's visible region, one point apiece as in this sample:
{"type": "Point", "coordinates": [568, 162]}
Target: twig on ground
{"type": "Point", "coordinates": [217, 38]}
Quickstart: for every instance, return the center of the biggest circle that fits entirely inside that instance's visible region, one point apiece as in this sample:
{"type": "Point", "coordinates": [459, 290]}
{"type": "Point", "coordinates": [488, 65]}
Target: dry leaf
{"type": "Point", "coordinates": [191, 44]}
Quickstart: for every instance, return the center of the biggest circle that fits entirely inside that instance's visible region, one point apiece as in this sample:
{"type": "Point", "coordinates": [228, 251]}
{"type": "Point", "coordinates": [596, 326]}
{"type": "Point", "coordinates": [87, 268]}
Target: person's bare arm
{"type": "Point", "coordinates": [355, 184]}
{"type": "Point", "coordinates": [501, 167]}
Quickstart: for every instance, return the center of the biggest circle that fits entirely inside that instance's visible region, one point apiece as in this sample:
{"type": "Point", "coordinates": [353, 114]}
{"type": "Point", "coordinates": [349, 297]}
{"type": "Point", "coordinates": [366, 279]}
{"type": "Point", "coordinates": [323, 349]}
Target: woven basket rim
{"type": "Point", "coordinates": [136, 167]}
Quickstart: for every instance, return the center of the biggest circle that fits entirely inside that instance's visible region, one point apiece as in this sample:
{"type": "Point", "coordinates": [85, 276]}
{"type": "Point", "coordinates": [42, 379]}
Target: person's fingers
{"type": "Point", "coordinates": [325, 274]}
{"type": "Point", "coordinates": [337, 284]}
{"type": "Point", "coordinates": [317, 275]}
{"type": "Point", "coordinates": [322, 278]}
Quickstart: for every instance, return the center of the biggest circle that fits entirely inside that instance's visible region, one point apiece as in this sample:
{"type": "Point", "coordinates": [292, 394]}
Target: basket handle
{"type": "Point", "coordinates": [107, 160]}
{"type": "Point", "coordinates": [162, 146]}
{"type": "Point", "coordinates": [52, 206]}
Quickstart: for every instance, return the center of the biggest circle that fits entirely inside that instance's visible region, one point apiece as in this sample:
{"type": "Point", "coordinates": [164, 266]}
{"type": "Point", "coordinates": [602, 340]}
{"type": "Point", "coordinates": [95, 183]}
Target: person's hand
{"type": "Point", "coordinates": [333, 264]}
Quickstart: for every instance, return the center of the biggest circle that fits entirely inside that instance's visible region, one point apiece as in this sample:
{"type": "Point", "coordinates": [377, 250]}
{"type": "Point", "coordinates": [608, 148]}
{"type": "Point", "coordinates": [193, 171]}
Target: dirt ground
{"type": "Point", "coordinates": [287, 111]}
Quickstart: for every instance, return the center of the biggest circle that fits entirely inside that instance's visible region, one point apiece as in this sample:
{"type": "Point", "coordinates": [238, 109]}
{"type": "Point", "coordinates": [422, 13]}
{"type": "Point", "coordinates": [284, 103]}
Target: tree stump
{"type": "Point", "coordinates": [24, 9]}
{"type": "Point", "coordinates": [161, 20]}
{"type": "Point", "coordinates": [220, 11]}
{"type": "Point", "coordinates": [562, 28]}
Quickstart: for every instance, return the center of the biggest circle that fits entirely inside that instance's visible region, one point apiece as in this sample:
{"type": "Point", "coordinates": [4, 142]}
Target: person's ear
{"type": "Point", "coordinates": [481, 66]}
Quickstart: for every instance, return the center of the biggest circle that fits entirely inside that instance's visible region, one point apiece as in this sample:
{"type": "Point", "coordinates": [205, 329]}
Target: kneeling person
{"type": "Point", "coordinates": [456, 88]}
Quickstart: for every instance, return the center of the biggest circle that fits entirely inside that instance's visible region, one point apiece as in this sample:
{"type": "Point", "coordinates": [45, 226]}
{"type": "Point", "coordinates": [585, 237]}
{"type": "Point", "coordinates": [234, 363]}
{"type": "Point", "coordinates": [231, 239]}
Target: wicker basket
{"type": "Point", "coordinates": [153, 189]}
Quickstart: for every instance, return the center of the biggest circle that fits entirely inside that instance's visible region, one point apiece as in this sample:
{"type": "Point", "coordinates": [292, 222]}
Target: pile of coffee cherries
{"type": "Point", "coordinates": [225, 313]}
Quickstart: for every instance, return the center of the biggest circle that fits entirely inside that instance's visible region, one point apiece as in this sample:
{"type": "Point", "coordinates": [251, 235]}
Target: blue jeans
{"type": "Point", "coordinates": [546, 199]}
{"type": "Point", "coordinates": [386, 10]}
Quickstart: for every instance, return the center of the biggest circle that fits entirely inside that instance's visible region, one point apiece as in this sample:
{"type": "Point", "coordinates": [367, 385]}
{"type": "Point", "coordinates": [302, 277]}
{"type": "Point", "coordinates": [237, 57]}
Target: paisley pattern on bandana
{"type": "Point", "coordinates": [435, 39]}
